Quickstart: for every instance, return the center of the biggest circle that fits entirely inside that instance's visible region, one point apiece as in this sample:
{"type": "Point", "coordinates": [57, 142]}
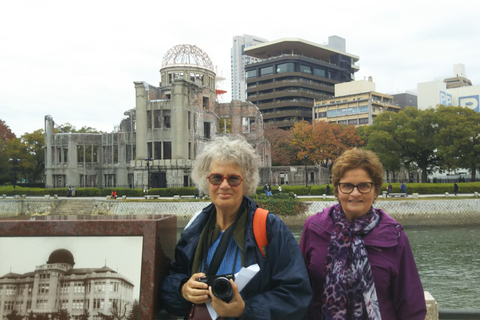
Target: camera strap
{"type": "Point", "coordinates": [212, 268]}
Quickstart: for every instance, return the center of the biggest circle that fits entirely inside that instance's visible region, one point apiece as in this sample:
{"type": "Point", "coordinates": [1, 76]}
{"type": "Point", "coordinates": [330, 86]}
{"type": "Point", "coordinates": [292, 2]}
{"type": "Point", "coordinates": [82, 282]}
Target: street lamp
{"type": "Point", "coordinates": [148, 172]}
{"type": "Point", "coordinates": [306, 173]}
{"type": "Point", "coordinates": [14, 162]}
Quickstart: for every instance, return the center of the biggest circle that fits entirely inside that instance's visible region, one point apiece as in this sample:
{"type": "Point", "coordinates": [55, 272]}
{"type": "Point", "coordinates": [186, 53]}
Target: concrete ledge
{"type": "Point", "coordinates": [124, 197]}
{"type": "Point", "coordinates": [177, 197]}
{"type": "Point", "coordinates": [152, 196]}
{"type": "Point", "coordinates": [415, 195]}
{"type": "Point", "coordinates": [47, 196]}
{"type": "Point", "coordinates": [432, 307]}
{"type": "Point", "coordinates": [446, 194]}
{"type": "Point", "coordinates": [108, 197]}
{"type": "Point", "coordinates": [4, 196]}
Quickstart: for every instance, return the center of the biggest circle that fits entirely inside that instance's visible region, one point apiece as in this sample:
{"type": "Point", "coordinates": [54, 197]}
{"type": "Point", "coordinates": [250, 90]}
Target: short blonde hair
{"type": "Point", "coordinates": [227, 150]}
{"type": "Point", "coordinates": [358, 158]}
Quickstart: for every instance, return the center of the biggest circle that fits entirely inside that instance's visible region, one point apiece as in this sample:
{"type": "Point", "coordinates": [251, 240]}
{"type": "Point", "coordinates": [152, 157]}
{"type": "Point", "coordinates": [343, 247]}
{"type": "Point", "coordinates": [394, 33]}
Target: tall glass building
{"type": "Point", "coordinates": [238, 61]}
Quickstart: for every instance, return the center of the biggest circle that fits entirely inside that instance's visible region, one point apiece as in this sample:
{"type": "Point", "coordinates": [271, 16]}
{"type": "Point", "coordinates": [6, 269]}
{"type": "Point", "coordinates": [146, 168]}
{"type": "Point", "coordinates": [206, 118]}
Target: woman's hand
{"type": "Point", "coordinates": [194, 290]}
{"type": "Point", "coordinates": [234, 308]}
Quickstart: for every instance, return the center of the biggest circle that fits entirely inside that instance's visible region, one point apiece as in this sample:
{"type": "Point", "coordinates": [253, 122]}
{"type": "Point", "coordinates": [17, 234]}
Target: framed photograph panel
{"type": "Point", "coordinates": [85, 269]}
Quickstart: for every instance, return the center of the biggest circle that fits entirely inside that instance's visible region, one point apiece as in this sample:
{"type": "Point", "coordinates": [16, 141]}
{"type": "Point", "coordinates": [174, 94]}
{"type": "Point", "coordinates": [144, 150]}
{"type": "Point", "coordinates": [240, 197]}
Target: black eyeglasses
{"type": "Point", "coordinates": [347, 188]}
{"type": "Point", "coordinates": [233, 180]}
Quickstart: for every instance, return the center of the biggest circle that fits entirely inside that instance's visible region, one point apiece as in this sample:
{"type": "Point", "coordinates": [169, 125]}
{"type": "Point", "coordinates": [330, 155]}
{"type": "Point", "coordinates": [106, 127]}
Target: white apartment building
{"type": "Point", "coordinates": [454, 91]}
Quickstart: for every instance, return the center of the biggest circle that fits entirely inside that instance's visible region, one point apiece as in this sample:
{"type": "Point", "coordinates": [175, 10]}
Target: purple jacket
{"type": "Point", "coordinates": [399, 290]}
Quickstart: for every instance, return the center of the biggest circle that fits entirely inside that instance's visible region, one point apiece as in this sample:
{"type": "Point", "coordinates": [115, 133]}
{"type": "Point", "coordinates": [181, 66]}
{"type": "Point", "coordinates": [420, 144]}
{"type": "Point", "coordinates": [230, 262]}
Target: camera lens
{"type": "Point", "coordinates": [222, 288]}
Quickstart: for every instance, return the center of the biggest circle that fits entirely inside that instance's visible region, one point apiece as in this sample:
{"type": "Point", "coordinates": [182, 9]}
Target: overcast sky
{"type": "Point", "coordinates": [77, 61]}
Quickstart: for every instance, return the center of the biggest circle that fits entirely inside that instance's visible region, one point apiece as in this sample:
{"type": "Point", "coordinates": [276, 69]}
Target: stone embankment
{"type": "Point", "coordinates": [426, 212]}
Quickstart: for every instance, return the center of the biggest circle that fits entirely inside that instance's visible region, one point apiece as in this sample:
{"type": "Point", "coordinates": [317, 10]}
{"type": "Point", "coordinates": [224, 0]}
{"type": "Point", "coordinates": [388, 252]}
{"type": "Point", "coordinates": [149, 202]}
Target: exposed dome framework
{"type": "Point", "coordinates": [187, 54]}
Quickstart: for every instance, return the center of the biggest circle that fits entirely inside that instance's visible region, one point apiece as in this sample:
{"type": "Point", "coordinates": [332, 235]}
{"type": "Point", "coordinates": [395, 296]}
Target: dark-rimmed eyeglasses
{"type": "Point", "coordinates": [233, 180]}
{"type": "Point", "coordinates": [363, 187]}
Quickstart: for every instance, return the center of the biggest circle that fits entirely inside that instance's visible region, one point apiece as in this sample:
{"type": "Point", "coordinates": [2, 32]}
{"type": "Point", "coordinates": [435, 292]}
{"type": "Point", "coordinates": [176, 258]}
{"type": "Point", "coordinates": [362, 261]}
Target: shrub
{"type": "Point", "coordinates": [281, 204]}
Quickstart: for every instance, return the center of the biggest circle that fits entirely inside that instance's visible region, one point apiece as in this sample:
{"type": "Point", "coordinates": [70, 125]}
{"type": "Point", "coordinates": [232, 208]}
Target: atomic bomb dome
{"type": "Point", "coordinates": [61, 256]}
{"type": "Point", "coordinates": [186, 54]}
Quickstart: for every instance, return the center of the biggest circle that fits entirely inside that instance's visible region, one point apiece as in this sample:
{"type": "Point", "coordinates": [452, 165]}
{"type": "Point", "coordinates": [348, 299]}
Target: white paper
{"type": "Point", "coordinates": [242, 278]}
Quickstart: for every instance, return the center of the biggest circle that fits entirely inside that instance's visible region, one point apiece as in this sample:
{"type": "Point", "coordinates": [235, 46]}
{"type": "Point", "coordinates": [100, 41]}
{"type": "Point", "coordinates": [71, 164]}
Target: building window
{"type": "Point", "coordinates": [266, 71]}
{"type": "Point", "coordinates": [43, 288]}
{"type": "Point", "coordinates": [305, 69]}
{"type": "Point", "coordinates": [158, 150]}
{"type": "Point", "coordinates": [157, 119]}
{"type": "Point", "coordinates": [246, 124]}
{"type": "Point", "coordinates": [251, 74]}
{"type": "Point", "coordinates": [149, 119]}
{"type": "Point", "coordinates": [167, 150]}
{"type": "Point", "coordinates": [206, 130]}
{"type": "Point", "coordinates": [363, 121]}
{"type": "Point", "coordinates": [319, 72]}
{"type": "Point", "coordinates": [225, 125]}
{"type": "Point", "coordinates": [166, 118]}
{"type": "Point", "coordinates": [363, 109]}
{"type": "Point", "coordinates": [286, 67]}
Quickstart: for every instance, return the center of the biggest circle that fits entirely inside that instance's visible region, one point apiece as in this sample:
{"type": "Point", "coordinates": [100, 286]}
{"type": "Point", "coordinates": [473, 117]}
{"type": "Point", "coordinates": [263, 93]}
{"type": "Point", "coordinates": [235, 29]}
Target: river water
{"type": "Point", "coordinates": [448, 261]}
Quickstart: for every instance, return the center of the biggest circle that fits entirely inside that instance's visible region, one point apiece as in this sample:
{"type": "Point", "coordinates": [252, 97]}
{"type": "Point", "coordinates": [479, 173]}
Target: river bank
{"type": "Point", "coordinates": [408, 212]}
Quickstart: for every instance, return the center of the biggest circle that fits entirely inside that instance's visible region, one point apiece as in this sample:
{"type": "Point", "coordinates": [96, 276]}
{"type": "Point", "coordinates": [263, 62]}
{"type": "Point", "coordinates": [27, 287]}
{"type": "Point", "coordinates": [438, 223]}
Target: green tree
{"type": "Point", "coordinates": [63, 315]}
{"type": "Point", "coordinates": [35, 156]}
{"type": "Point", "coordinates": [6, 135]}
{"type": "Point", "coordinates": [15, 149]}
{"type": "Point", "coordinates": [409, 135]}
{"type": "Point", "coordinates": [69, 128]}
{"type": "Point", "coordinates": [458, 138]}
{"type": "Point", "coordinates": [14, 316]}
{"type": "Point", "coordinates": [85, 315]}
{"type": "Point", "coordinates": [380, 140]}
{"type": "Point", "coordinates": [135, 312]}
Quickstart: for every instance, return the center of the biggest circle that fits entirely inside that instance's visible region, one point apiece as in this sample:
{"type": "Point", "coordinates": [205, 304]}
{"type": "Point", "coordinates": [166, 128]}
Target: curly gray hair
{"type": "Point", "coordinates": [227, 150]}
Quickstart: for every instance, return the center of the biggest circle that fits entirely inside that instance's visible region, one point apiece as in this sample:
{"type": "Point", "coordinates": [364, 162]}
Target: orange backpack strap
{"type": "Point", "coordinates": [260, 229]}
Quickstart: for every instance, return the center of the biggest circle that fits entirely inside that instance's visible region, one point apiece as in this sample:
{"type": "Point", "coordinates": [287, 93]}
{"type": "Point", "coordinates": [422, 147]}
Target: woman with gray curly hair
{"type": "Point", "coordinates": [220, 240]}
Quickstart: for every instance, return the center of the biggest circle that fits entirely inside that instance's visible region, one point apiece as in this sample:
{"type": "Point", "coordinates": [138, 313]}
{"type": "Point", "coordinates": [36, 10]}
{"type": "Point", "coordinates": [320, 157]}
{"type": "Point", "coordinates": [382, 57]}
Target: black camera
{"type": "Point", "coordinates": [221, 286]}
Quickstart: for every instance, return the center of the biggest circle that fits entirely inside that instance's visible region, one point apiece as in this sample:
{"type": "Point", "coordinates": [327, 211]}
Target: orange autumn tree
{"type": "Point", "coordinates": [323, 142]}
{"type": "Point", "coordinates": [282, 152]}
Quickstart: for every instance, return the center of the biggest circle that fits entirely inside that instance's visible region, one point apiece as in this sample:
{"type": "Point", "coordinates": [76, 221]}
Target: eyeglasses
{"type": "Point", "coordinates": [233, 180]}
{"type": "Point", "coordinates": [347, 188]}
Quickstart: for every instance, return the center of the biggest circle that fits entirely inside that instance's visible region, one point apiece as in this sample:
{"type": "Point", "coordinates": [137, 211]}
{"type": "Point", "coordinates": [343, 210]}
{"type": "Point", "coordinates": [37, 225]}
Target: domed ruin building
{"type": "Point", "coordinates": [161, 136]}
{"type": "Point", "coordinates": [57, 285]}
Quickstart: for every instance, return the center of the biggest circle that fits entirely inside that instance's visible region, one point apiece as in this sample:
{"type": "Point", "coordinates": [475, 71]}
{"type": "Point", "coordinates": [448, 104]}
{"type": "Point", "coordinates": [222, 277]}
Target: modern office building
{"type": "Point", "coordinates": [238, 61]}
{"type": "Point", "coordinates": [57, 285]}
{"type": "Point", "coordinates": [292, 74]}
{"type": "Point", "coordinates": [355, 103]}
{"type": "Point", "coordinates": [455, 91]}
{"type": "Point", "coordinates": [156, 144]}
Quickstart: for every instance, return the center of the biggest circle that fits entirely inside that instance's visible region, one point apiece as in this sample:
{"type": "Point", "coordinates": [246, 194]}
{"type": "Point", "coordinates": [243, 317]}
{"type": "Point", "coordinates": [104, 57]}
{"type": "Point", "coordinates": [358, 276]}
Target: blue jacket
{"type": "Point", "coordinates": [280, 290]}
